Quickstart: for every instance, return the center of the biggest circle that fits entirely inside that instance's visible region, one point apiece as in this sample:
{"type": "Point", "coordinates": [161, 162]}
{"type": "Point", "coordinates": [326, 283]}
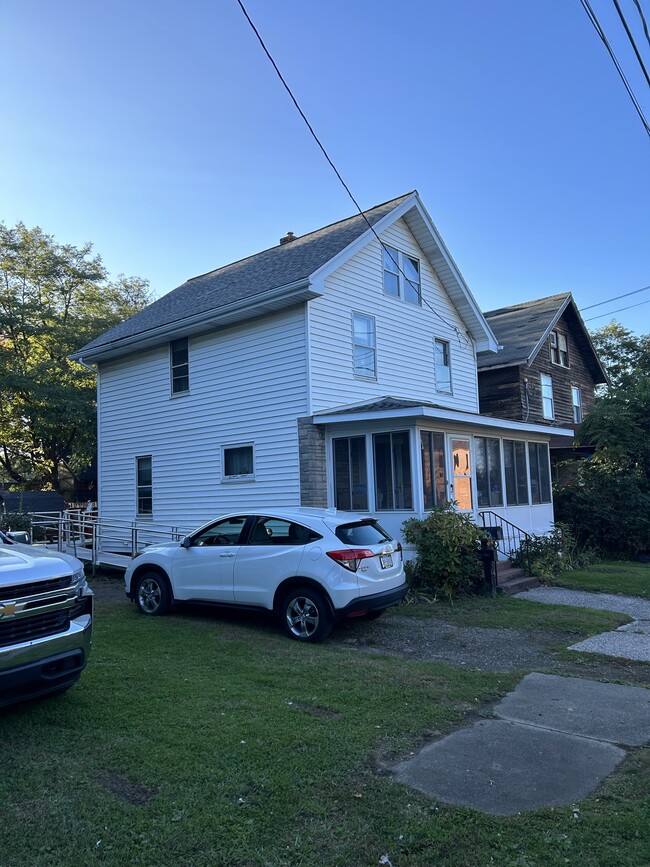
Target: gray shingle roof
{"type": "Point", "coordinates": [271, 269]}
{"type": "Point", "coordinates": [519, 328]}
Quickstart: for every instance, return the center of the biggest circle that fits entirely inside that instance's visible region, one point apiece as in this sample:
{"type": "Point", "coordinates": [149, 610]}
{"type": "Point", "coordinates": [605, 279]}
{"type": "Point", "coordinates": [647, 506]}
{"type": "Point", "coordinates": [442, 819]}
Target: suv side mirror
{"type": "Point", "coordinates": [186, 542]}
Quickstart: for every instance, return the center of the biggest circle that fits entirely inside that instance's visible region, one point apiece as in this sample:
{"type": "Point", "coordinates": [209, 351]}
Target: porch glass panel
{"type": "Point", "coordinates": [350, 474]}
{"type": "Point", "coordinates": [394, 487]}
{"type": "Point", "coordinates": [434, 480]}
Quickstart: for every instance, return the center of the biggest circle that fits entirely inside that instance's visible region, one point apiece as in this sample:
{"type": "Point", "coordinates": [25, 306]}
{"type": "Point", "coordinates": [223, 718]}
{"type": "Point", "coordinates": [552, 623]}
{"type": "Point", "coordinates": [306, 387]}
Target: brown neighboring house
{"type": "Point", "coordinates": [546, 371]}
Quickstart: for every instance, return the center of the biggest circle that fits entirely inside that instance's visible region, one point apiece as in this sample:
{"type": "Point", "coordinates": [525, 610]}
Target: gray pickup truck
{"type": "Point", "coordinates": [46, 611]}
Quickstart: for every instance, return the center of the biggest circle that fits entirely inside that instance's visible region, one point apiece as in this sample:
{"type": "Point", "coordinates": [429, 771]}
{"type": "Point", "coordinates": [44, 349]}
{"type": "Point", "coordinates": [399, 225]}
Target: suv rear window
{"type": "Point", "coordinates": [362, 533]}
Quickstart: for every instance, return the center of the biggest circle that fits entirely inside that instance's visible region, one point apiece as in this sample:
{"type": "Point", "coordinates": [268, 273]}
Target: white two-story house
{"type": "Point", "coordinates": [337, 369]}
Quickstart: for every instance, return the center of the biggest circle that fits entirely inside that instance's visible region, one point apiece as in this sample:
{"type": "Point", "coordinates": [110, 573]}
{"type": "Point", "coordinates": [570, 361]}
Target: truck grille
{"type": "Point", "coordinates": [19, 590]}
{"type": "Point", "coordinates": [21, 629]}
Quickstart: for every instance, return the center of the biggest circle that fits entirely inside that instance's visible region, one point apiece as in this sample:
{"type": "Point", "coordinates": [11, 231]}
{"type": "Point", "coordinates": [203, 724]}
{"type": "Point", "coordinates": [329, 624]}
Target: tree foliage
{"type": "Point", "coordinates": [54, 298]}
{"type": "Point", "coordinates": [610, 504]}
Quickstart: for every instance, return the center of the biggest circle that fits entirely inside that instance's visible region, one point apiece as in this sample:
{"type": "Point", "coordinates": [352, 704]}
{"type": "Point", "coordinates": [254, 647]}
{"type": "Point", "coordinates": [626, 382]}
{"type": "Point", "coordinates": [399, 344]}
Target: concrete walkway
{"type": "Point", "coordinates": [631, 641]}
{"type": "Point", "coordinates": [555, 739]}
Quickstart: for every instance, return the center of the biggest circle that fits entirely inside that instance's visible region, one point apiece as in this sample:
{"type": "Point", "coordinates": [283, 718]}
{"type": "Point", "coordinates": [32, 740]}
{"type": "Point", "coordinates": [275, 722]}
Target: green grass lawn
{"type": "Point", "coordinates": [204, 740]}
{"type": "Point", "coordinates": [610, 577]}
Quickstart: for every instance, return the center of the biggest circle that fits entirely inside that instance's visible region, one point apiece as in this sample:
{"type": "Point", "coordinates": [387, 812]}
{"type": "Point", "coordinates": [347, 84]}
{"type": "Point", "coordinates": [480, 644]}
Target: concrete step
{"type": "Point", "coordinates": [506, 572]}
{"type": "Point", "coordinates": [516, 585]}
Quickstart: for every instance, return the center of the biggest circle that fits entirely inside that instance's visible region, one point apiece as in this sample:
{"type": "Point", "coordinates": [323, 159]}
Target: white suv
{"type": "Point", "coordinates": [311, 567]}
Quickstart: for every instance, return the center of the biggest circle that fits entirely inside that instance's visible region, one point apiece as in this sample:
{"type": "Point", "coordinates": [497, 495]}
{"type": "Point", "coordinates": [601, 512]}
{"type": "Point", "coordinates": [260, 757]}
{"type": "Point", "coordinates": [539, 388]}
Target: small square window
{"type": "Point", "coordinates": [238, 462]}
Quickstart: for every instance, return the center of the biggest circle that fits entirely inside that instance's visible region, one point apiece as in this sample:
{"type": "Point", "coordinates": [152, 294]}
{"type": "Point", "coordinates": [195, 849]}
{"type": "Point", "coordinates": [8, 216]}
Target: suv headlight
{"type": "Point", "coordinates": [79, 576]}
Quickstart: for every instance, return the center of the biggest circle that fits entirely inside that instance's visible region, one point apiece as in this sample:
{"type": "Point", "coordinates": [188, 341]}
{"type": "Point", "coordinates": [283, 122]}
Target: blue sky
{"type": "Point", "coordinates": [159, 132]}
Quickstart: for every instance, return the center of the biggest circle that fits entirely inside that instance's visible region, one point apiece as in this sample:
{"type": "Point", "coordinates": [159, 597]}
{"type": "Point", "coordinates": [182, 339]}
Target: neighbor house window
{"type": "Point", "coordinates": [364, 343]}
{"type": "Point", "coordinates": [350, 474]}
{"type": "Point", "coordinates": [144, 482]}
{"type": "Point", "coordinates": [540, 473]}
{"type": "Point", "coordinates": [548, 405]}
{"type": "Point", "coordinates": [401, 275]}
{"type": "Point", "coordinates": [489, 488]}
{"type": "Point", "coordinates": [393, 484]}
{"type": "Point", "coordinates": [576, 400]}
{"type": "Point", "coordinates": [514, 461]}
{"type": "Point", "coordinates": [180, 365]}
{"type": "Point", "coordinates": [442, 365]}
{"type": "Point", "coordinates": [559, 349]}
{"type": "Point", "coordinates": [434, 477]}
{"type": "Point", "coordinates": [238, 462]}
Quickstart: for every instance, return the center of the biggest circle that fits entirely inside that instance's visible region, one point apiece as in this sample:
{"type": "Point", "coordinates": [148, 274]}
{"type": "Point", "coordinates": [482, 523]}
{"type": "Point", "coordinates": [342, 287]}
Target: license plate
{"type": "Point", "coordinates": [386, 560]}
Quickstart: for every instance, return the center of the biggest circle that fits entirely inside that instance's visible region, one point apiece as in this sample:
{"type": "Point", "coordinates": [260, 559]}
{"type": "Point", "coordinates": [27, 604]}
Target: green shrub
{"type": "Point", "coordinates": [15, 521]}
{"type": "Point", "coordinates": [550, 554]}
{"type": "Point", "coordinates": [446, 545]}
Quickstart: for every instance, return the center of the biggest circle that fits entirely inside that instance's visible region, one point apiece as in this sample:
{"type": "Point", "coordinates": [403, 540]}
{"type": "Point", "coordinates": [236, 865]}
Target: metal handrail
{"type": "Point", "coordinates": [512, 534]}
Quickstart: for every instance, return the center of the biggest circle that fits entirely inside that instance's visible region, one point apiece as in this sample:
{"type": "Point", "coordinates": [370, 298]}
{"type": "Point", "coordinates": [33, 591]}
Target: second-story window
{"type": "Point", "coordinates": [179, 361]}
{"type": "Point", "coordinates": [401, 275]}
{"type": "Point", "coordinates": [576, 400]}
{"type": "Point", "coordinates": [442, 364]}
{"type": "Point", "coordinates": [364, 346]}
{"type": "Point", "coordinates": [548, 404]}
{"type": "Point", "coordinates": [559, 349]}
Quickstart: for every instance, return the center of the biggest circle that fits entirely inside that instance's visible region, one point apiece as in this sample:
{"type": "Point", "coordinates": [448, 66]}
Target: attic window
{"type": "Point", "coordinates": [401, 275]}
{"type": "Point", "coordinates": [559, 349]}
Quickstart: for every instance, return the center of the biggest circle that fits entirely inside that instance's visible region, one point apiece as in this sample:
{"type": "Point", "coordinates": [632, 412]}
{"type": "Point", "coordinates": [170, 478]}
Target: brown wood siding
{"type": "Point", "coordinates": [499, 393]}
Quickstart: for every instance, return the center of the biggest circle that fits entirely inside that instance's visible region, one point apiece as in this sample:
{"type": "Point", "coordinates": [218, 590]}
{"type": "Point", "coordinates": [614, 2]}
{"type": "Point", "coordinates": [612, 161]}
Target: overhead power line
{"type": "Point", "coordinates": [632, 40]}
{"type": "Point", "coordinates": [449, 325]}
{"type": "Point", "coordinates": [616, 298]}
{"type": "Point", "coordinates": [643, 21]}
{"type": "Point", "coordinates": [599, 30]}
{"type": "Point", "coordinates": [618, 310]}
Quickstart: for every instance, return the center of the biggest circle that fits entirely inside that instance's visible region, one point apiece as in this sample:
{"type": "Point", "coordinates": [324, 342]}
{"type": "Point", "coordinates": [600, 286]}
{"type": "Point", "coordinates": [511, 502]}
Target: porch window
{"type": "Point", "coordinates": [514, 459]}
{"type": "Point", "coordinates": [393, 485]}
{"type": "Point", "coordinates": [548, 404]}
{"type": "Point", "coordinates": [434, 479]}
{"type": "Point", "coordinates": [442, 364]}
{"type": "Point", "coordinates": [238, 462]}
{"type": "Point", "coordinates": [576, 400]}
{"type": "Point", "coordinates": [144, 485]}
{"type": "Point", "coordinates": [489, 487]}
{"type": "Point", "coordinates": [364, 346]}
{"type": "Point", "coordinates": [179, 361]}
{"type": "Point", "coordinates": [350, 474]}
{"type": "Point", "coordinates": [540, 472]}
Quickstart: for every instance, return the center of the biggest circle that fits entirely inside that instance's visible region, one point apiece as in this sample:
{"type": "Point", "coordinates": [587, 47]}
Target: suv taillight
{"type": "Point", "coordinates": [350, 558]}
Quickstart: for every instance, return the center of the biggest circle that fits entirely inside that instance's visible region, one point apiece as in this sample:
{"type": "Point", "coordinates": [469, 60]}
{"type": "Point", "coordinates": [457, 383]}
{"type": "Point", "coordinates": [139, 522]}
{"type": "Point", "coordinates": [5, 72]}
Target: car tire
{"type": "Point", "coordinates": [306, 615]}
{"type": "Point", "coordinates": [153, 594]}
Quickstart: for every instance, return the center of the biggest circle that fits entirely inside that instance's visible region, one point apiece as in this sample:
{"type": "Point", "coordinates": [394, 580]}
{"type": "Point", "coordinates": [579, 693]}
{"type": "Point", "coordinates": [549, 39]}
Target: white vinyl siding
{"type": "Point", "coordinates": [404, 347]}
{"type": "Point", "coordinates": [249, 385]}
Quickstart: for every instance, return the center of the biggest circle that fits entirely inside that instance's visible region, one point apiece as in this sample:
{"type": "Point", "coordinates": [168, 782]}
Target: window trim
{"type": "Point", "coordinates": [447, 343]}
{"type": "Point", "coordinates": [547, 397]}
{"type": "Point", "coordinates": [372, 377]}
{"type": "Point", "coordinates": [240, 477]}
{"type": "Point", "coordinates": [139, 487]}
{"type": "Point", "coordinates": [400, 273]}
{"type": "Point", "coordinates": [184, 365]}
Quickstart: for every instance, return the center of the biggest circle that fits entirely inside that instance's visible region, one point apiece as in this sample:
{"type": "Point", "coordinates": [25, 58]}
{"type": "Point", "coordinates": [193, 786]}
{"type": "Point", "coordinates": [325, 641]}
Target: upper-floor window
{"type": "Point", "coordinates": [576, 400]}
{"type": "Point", "coordinates": [442, 363]}
{"type": "Point", "coordinates": [364, 345]}
{"type": "Point", "coordinates": [559, 349]}
{"type": "Point", "coordinates": [401, 275]}
{"type": "Point", "coordinates": [144, 485]}
{"type": "Point", "coordinates": [179, 362]}
{"type": "Point", "coordinates": [548, 405]}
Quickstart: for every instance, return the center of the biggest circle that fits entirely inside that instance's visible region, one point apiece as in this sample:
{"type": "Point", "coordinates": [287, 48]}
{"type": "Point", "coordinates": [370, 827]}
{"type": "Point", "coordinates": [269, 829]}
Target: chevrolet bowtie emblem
{"type": "Point", "coordinates": [7, 609]}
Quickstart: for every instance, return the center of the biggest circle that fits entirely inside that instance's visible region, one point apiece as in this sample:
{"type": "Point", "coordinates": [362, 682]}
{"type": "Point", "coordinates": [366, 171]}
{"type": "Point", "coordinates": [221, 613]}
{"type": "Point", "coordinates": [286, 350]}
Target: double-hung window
{"type": "Point", "coordinates": [364, 346]}
{"type": "Point", "coordinates": [576, 400]}
{"type": "Point", "coordinates": [434, 477]}
{"type": "Point", "coordinates": [144, 485]}
{"type": "Point", "coordinates": [401, 275]}
{"type": "Point", "coordinates": [179, 362]}
{"type": "Point", "coordinates": [540, 472]}
{"type": "Point", "coordinates": [393, 484]}
{"type": "Point", "coordinates": [514, 461]}
{"type": "Point", "coordinates": [559, 349]}
{"type": "Point", "coordinates": [442, 365]}
{"type": "Point", "coordinates": [548, 404]}
{"type": "Point", "coordinates": [350, 474]}
{"type": "Point", "coordinates": [489, 488]}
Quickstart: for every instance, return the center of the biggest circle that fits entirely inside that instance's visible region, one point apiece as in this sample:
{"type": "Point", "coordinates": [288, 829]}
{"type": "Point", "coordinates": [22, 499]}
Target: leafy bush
{"type": "Point", "coordinates": [446, 545]}
{"type": "Point", "coordinates": [15, 521]}
{"type": "Point", "coordinates": [552, 553]}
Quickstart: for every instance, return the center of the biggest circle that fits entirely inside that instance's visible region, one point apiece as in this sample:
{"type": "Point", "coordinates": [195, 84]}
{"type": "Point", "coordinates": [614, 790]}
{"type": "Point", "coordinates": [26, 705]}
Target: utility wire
{"type": "Point", "coordinates": [449, 325]}
{"type": "Point", "coordinates": [618, 310]}
{"type": "Point", "coordinates": [632, 40]}
{"type": "Point", "coordinates": [616, 297]}
{"type": "Point", "coordinates": [599, 30]}
{"type": "Point", "coordinates": [643, 21]}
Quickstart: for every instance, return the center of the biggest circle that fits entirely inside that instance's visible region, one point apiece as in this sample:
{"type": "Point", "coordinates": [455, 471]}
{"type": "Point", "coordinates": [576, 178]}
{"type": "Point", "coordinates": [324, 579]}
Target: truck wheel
{"type": "Point", "coordinates": [306, 615]}
{"type": "Point", "coordinates": [153, 594]}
